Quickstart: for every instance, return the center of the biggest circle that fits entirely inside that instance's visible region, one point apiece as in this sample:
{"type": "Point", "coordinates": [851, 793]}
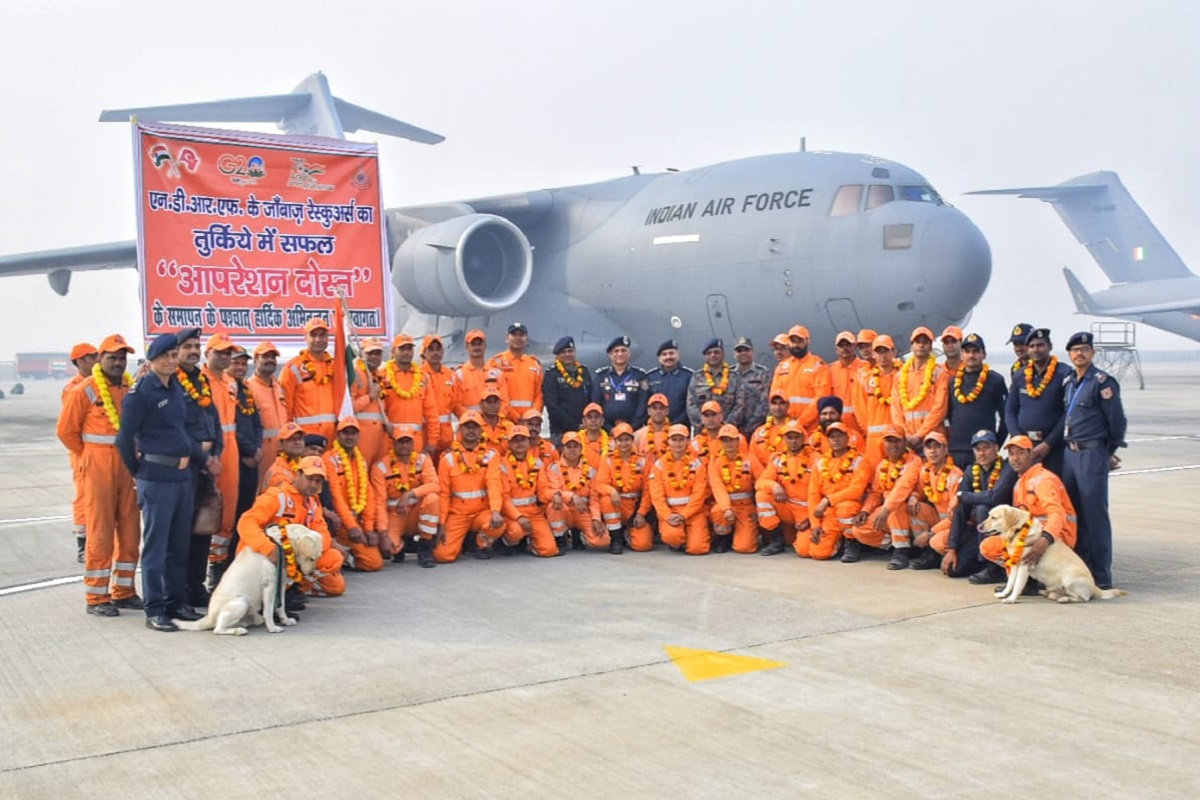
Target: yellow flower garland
{"type": "Point", "coordinates": [404, 481]}
{"type": "Point", "coordinates": [977, 476]}
{"type": "Point", "coordinates": [1014, 558]}
{"type": "Point", "coordinates": [575, 382]}
{"type": "Point", "coordinates": [528, 480]}
{"type": "Point", "coordinates": [467, 467]}
{"type": "Point", "coordinates": [605, 445]}
{"type": "Point", "coordinates": [728, 473]}
{"type": "Point", "coordinates": [847, 463]}
{"type": "Point", "coordinates": [307, 364]}
{"type": "Point", "coordinates": [110, 408]}
{"type": "Point", "coordinates": [888, 478]}
{"type": "Point", "coordinates": [718, 389]}
{"type": "Point", "coordinates": [958, 382]}
{"type": "Point", "coordinates": [620, 467]}
{"type": "Point", "coordinates": [289, 555]}
{"type": "Point", "coordinates": [1036, 391]}
{"type": "Point", "coordinates": [202, 396]}
{"type": "Point", "coordinates": [356, 488]}
{"type": "Point", "coordinates": [677, 483]}
{"type": "Point", "coordinates": [875, 385]}
{"type": "Point", "coordinates": [583, 474]}
{"type": "Point", "coordinates": [782, 470]}
{"type": "Point", "coordinates": [391, 372]}
{"type": "Point", "coordinates": [933, 487]}
{"type": "Point", "coordinates": [926, 383]}
{"type": "Point", "coordinates": [247, 407]}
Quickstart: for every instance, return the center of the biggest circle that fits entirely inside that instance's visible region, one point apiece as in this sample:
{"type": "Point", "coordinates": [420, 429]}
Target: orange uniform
{"type": "Point", "coordinates": [272, 410]}
{"type": "Point", "coordinates": [447, 389]}
{"type": "Point", "coordinates": [839, 483]}
{"type": "Point", "coordinates": [224, 395]}
{"type": "Point", "coordinates": [681, 487]}
{"type": "Point", "coordinates": [523, 377]}
{"type": "Point", "coordinates": [79, 501]}
{"type": "Point", "coordinates": [767, 440]}
{"type": "Point", "coordinates": [544, 449]}
{"type": "Point", "coordinates": [626, 479]}
{"type": "Point", "coordinates": [308, 391]}
{"type": "Point", "coordinates": [522, 490]}
{"type": "Point", "coordinates": [112, 521]}
{"type": "Point", "coordinates": [1043, 494]}
{"type": "Point", "coordinates": [927, 401]}
{"type": "Point", "coordinates": [594, 450]}
{"type": "Point", "coordinates": [802, 382]}
{"type": "Point", "coordinates": [843, 380]}
{"type": "Point", "coordinates": [873, 407]}
{"type": "Point", "coordinates": [791, 473]}
{"type": "Point", "coordinates": [937, 490]}
{"type": "Point", "coordinates": [404, 498]}
{"type": "Point", "coordinates": [578, 482]}
{"type": "Point", "coordinates": [732, 484]}
{"type": "Point", "coordinates": [474, 379]}
{"type": "Point", "coordinates": [495, 436]}
{"type": "Point", "coordinates": [650, 442]}
{"type": "Point", "coordinates": [373, 439]}
{"type": "Point", "coordinates": [408, 398]}
{"type": "Point", "coordinates": [350, 488]}
{"type": "Point", "coordinates": [892, 483]}
{"type": "Point", "coordinates": [284, 505]}
{"type": "Point", "coordinates": [463, 499]}
{"type": "Point", "coordinates": [279, 472]}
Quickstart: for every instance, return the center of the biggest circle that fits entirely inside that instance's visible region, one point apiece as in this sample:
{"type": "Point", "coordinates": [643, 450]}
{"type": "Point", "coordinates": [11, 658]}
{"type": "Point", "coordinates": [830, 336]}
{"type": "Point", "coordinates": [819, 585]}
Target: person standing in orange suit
{"type": "Point", "coordinates": [476, 374]}
{"type": "Point", "coordinates": [373, 438]}
{"type": "Point", "coordinates": [270, 401]}
{"type": "Point", "coordinates": [309, 385]}
{"type": "Point", "coordinates": [522, 374]}
{"type": "Point", "coordinates": [84, 356]}
{"type": "Point", "coordinates": [218, 355]}
{"type": "Point", "coordinates": [447, 389]}
{"type": "Point", "coordinates": [407, 396]}
{"type": "Point", "coordinates": [921, 393]}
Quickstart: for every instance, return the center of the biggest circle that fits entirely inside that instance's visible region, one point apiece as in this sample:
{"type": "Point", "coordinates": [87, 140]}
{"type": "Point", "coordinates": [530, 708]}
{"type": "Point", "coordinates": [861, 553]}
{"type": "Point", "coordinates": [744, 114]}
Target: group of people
{"type": "Point", "coordinates": [827, 459]}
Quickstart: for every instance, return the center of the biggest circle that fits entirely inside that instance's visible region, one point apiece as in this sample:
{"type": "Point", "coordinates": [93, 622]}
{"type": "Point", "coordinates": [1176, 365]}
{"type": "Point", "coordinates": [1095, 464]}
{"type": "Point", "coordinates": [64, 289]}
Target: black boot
{"type": "Point", "coordinates": [929, 559]}
{"type": "Point", "coordinates": [561, 543]}
{"type": "Point", "coordinates": [293, 599]}
{"type": "Point", "coordinates": [577, 540]}
{"type": "Point", "coordinates": [425, 553]}
{"type": "Point", "coordinates": [852, 552]}
{"type": "Point", "coordinates": [616, 543]}
{"type": "Point", "coordinates": [721, 543]}
{"type": "Point", "coordinates": [774, 542]}
{"type": "Point", "coordinates": [900, 557]}
{"type": "Point", "coordinates": [992, 573]}
{"type": "Point", "coordinates": [80, 547]}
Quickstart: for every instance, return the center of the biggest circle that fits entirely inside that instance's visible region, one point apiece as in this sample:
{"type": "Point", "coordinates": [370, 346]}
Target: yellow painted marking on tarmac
{"type": "Point", "coordinates": [704, 665]}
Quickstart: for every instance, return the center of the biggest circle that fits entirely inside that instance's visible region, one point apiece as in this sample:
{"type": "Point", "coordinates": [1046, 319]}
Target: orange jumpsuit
{"type": "Point", "coordinates": [842, 382]}
{"type": "Point", "coordinates": [933, 513]}
{"type": "Point", "coordinates": [447, 391]}
{"type": "Point", "coordinates": [114, 528]}
{"type": "Point", "coordinates": [792, 474]}
{"type": "Point", "coordinates": [473, 379]}
{"type": "Point", "coordinates": [390, 481]}
{"type": "Point", "coordinates": [463, 499]}
{"type": "Point", "coordinates": [594, 450]}
{"type": "Point", "coordinates": [804, 380]}
{"type": "Point", "coordinates": [272, 410]}
{"type": "Point", "coordinates": [767, 440]}
{"type": "Point", "coordinates": [522, 490]}
{"type": "Point", "coordinates": [819, 442]}
{"type": "Point", "coordinates": [284, 505]}
{"type": "Point", "coordinates": [495, 436]}
{"type": "Point", "coordinates": [732, 485]}
{"type": "Point", "coordinates": [224, 395]}
{"type": "Point", "coordinates": [344, 477]}
{"type": "Point", "coordinates": [308, 390]}
{"type": "Point", "coordinates": [523, 376]}
{"type": "Point", "coordinates": [927, 415]}
{"type": "Point", "coordinates": [373, 440]}
{"type": "Point", "coordinates": [681, 487]}
{"type": "Point", "coordinates": [1042, 493]}
{"type": "Point", "coordinates": [627, 478]}
{"type": "Point", "coordinates": [578, 481]}
{"type": "Point", "coordinates": [891, 485]}
{"type": "Point", "coordinates": [873, 407]}
{"type": "Point", "coordinates": [544, 449]}
{"type": "Point", "coordinates": [842, 481]}
{"type": "Point", "coordinates": [79, 501]}
{"type": "Point", "coordinates": [279, 472]}
{"type": "Point", "coordinates": [651, 443]}
{"type": "Point", "coordinates": [420, 409]}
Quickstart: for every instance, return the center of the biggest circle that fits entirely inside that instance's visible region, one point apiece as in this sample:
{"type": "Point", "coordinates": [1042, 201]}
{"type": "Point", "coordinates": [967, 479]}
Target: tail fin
{"type": "Point", "coordinates": [1107, 221]}
{"type": "Point", "coordinates": [311, 109]}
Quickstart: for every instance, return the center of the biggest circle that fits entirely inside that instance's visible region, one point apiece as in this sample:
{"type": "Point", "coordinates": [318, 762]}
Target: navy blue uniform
{"type": "Point", "coordinates": [623, 397]}
{"type": "Point", "coordinates": [674, 385]}
{"type": "Point", "coordinates": [973, 508]}
{"type": "Point", "coordinates": [1095, 428]}
{"type": "Point", "coordinates": [203, 425]}
{"type": "Point", "coordinates": [985, 412]}
{"type": "Point", "coordinates": [1040, 418]}
{"type": "Point", "coordinates": [565, 403]}
{"type": "Point", "coordinates": [248, 430]}
{"type": "Point", "coordinates": [152, 434]}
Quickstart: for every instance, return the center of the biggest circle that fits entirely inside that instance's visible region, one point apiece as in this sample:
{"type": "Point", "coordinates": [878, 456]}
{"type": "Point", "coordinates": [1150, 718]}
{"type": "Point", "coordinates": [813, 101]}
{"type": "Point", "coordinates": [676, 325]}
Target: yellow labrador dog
{"type": "Point", "coordinates": [1066, 578]}
{"type": "Point", "coordinates": [247, 591]}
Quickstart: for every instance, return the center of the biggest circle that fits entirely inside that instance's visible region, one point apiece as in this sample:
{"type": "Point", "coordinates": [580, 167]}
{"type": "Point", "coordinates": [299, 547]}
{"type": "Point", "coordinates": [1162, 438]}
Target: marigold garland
{"type": "Point", "coordinates": [110, 408]}
{"type": "Point", "coordinates": [623, 477]}
{"type": "Point", "coordinates": [934, 486]}
{"type": "Point", "coordinates": [605, 444]}
{"type": "Point", "coordinates": [977, 476]}
{"type": "Point", "coordinates": [728, 472]}
{"type": "Point", "coordinates": [392, 386]}
{"type": "Point", "coordinates": [467, 467]}
{"type": "Point", "coordinates": [202, 396]}
{"type": "Point", "coordinates": [527, 480]}
{"type": "Point", "coordinates": [926, 383]}
{"type": "Point", "coordinates": [875, 384]}
{"type": "Point", "coordinates": [405, 475]}
{"type": "Point", "coordinates": [585, 474]}
{"type": "Point", "coordinates": [765, 435]}
{"type": "Point", "coordinates": [958, 382]}
{"type": "Point", "coordinates": [356, 487]}
{"type": "Point", "coordinates": [289, 556]}
{"type": "Point", "coordinates": [846, 464]}
{"type": "Point", "coordinates": [656, 441]}
{"type": "Point", "coordinates": [575, 382]}
{"type": "Point", "coordinates": [245, 400]}
{"type": "Point", "coordinates": [677, 482]}
{"type": "Point", "coordinates": [888, 477]}
{"type": "Point", "coordinates": [784, 471]}
{"type": "Point", "coordinates": [1018, 551]}
{"type": "Point", "coordinates": [718, 389]}
{"type": "Point", "coordinates": [1036, 391]}
{"type": "Point", "coordinates": [308, 367]}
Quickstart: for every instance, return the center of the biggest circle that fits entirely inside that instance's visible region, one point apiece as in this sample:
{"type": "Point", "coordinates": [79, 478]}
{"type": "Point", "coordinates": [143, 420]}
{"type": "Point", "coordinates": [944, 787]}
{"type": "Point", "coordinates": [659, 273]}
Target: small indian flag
{"type": "Point", "coordinates": [1139, 254]}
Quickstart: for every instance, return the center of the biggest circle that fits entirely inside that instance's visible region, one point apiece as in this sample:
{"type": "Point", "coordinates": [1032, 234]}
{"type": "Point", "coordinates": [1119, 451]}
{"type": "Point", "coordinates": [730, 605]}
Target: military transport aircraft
{"type": "Point", "coordinates": [1151, 284]}
{"type": "Point", "coordinates": [834, 241]}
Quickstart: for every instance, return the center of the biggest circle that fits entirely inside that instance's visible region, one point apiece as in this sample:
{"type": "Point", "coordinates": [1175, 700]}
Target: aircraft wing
{"type": "Point", "coordinates": [58, 265]}
{"type": "Point", "coordinates": [268, 108]}
{"type": "Point", "coordinates": [356, 118]}
{"type": "Point", "coordinates": [1131, 300]}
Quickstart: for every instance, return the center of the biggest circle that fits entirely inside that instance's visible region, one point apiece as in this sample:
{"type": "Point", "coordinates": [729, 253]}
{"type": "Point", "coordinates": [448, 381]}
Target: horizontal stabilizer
{"type": "Point", "coordinates": [1050, 194]}
{"type": "Point", "coordinates": [1083, 300]}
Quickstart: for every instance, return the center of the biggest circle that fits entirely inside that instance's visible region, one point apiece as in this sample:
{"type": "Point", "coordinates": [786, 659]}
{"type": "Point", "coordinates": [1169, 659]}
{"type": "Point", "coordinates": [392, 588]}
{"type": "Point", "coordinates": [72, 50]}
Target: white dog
{"type": "Point", "coordinates": [247, 591]}
{"type": "Point", "coordinates": [1066, 578]}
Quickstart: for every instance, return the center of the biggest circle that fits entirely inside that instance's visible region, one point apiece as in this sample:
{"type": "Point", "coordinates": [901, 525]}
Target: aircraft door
{"type": "Point", "coordinates": [842, 314]}
{"type": "Point", "coordinates": [718, 318]}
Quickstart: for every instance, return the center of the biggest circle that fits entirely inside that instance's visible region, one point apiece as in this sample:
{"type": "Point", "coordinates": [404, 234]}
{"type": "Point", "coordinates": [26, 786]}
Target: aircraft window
{"type": "Point", "coordinates": [878, 195]}
{"type": "Point", "coordinates": [848, 200]}
{"type": "Point", "coordinates": [920, 194]}
{"type": "Point", "coordinates": [897, 237]}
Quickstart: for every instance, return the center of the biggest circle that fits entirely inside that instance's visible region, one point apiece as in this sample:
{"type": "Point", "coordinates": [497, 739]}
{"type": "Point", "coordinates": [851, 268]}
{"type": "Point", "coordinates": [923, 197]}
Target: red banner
{"type": "Point", "coordinates": [255, 234]}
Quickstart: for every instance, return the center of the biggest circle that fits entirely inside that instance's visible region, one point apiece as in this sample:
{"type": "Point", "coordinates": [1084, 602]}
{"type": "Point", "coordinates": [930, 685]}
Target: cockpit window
{"type": "Point", "coordinates": [921, 194]}
{"type": "Point", "coordinates": [878, 195]}
{"type": "Point", "coordinates": [847, 201]}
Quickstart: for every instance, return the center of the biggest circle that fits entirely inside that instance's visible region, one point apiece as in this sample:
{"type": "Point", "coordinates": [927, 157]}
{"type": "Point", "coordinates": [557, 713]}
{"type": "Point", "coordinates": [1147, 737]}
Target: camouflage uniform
{"type": "Point", "coordinates": [699, 393]}
{"type": "Point", "coordinates": [754, 388]}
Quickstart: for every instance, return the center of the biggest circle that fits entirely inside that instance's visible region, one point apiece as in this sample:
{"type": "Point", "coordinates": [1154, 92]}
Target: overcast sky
{"type": "Point", "coordinates": [539, 93]}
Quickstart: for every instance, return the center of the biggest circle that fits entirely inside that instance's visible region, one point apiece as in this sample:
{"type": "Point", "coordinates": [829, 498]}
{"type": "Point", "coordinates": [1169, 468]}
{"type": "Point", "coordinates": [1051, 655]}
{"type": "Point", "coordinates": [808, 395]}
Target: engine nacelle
{"type": "Point", "coordinates": [473, 265]}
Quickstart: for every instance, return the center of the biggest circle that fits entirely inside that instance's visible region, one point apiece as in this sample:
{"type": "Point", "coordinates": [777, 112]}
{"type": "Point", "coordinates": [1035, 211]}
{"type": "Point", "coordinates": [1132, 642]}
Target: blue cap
{"type": "Point", "coordinates": [1019, 332]}
{"type": "Point", "coordinates": [669, 344]}
{"type": "Point", "coordinates": [162, 344]}
{"type": "Point", "coordinates": [1038, 333]}
{"type": "Point", "coordinates": [315, 440]}
{"type": "Point", "coordinates": [188, 333]}
{"type": "Point", "coordinates": [518, 327]}
{"type": "Point", "coordinates": [620, 341]}
{"type": "Point", "coordinates": [974, 340]}
{"type": "Point", "coordinates": [984, 436]}
{"type": "Point", "coordinates": [711, 343]}
{"type": "Point", "coordinates": [1080, 337]}
{"type": "Point", "coordinates": [565, 343]}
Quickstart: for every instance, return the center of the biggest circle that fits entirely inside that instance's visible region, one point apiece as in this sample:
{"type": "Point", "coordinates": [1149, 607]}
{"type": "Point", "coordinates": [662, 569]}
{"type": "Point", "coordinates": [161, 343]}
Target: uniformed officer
{"type": "Point", "coordinates": [621, 389]}
{"type": "Point", "coordinates": [671, 379]}
{"type": "Point", "coordinates": [156, 448]}
{"type": "Point", "coordinates": [717, 381]}
{"type": "Point", "coordinates": [1094, 429]}
{"type": "Point", "coordinates": [1035, 401]}
{"type": "Point", "coordinates": [1020, 333]}
{"type": "Point", "coordinates": [754, 384]}
{"type": "Point", "coordinates": [977, 398]}
{"type": "Point", "coordinates": [566, 389]}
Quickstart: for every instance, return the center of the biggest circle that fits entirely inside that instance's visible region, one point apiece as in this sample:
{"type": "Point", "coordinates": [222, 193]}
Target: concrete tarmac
{"type": "Point", "coordinates": [520, 677]}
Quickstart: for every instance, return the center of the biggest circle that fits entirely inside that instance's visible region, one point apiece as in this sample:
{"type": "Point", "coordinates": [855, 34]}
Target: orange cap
{"type": "Point", "coordinates": [532, 414]}
{"type": "Point", "coordinates": [348, 422]}
{"type": "Point", "coordinates": [622, 429]}
{"type": "Point", "coordinates": [518, 430]}
{"type": "Point", "coordinates": [220, 342]}
{"type": "Point", "coordinates": [115, 343]}
{"type": "Point", "coordinates": [372, 345]}
{"type": "Point", "coordinates": [311, 465]}
{"type": "Point", "coordinates": [776, 394]}
{"type": "Point", "coordinates": [679, 430]}
{"type": "Point", "coordinates": [728, 432]}
{"type": "Point", "coordinates": [490, 390]}
{"type": "Point", "coordinates": [782, 340]}
{"type": "Point", "coordinates": [845, 336]}
{"type": "Point", "coordinates": [474, 334]}
{"type": "Point", "coordinates": [316, 324]}
{"type": "Point", "coordinates": [921, 330]}
{"type": "Point", "coordinates": [866, 336]}
{"type": "Point", "coordinates": [590, 407]}
{"type": "Point", "coordinates": [797, 330]}
{"type": "Point", "coordinates": [659, 398]}
{"type": "Point", "coordinates": [404, 430]}
{"type": "Point", "coordinates": [240, 352]}
{"type": "Point", "coordinates": [83, 349]}
{"type": "Point", "coordinates": [884, 341]}
{"type": "Point", "coordinates": [837, 426]}
{"type": "Point", "coordinates": [471, 416]}
{"type": "Point", "coordinates": [402, 339]}
{"type": "Point", "coordinates": [935, 436]}
{"type": "Point", "coordinates": [571, 436]}
{"type": "Point", "coordinates": [952, 332]}
{"type": "Point", "coordinates": [793, 426]}
{"type": "Point", "coordinates": [1022, 441]}
{"type": "Point", "coordinates": [892, 432]}
{"type": "Point", "coordinates": [264, 348]}
{"type": "Point", "coordinates": [289, 429]}
{"type": "Point", "coordinates": [711, 405]}
{"type": "Point", "coordinates": [430, 339]}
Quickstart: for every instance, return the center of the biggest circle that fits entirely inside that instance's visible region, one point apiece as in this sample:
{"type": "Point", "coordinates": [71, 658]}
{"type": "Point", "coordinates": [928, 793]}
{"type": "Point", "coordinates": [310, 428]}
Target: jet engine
{"type": "Point", "coordinates": [467, 266]}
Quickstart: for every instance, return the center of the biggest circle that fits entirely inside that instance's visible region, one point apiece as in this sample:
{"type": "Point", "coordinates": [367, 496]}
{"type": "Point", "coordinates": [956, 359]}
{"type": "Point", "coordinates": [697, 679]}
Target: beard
{"type": "Point", "coordinates": [798, 352]}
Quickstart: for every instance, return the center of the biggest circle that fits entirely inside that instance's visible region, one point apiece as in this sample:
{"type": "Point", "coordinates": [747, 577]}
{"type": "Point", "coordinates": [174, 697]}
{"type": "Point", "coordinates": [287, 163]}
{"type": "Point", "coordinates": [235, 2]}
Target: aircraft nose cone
{"type": "Point", "coordinates": [956, 263]}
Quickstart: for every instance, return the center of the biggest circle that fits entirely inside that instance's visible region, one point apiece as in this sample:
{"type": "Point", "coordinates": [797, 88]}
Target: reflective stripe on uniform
{"type": "Point", "coordinates": [847, 409]}
{"type": "Point", "coordinates": [122, 580]}
{"type": "Point", "coordinates": [473, 408]}
{"type": "Point", "coordinates": [127, 566]}
{"type": "Point", "coordinates": [373, 416]}
{"type": "Point", "coordinates": [742, 496]}
{"type": "Point", "coordinates": [95, 438]}
{"type": "Point", "coordinates": [796, 502]}
{"type": "Point", "coordinates": [270, 433]}
{"type": "Point", "coordinates": [524, 501]}
{"type": "Point", "coordinates": [916, 414]}
{"type": "Point", "coordinates": [678, 501]}
{"type": "Point", "coordinates": [318, 419]}
{"type": "Point", "coordinates": [875, 429]}
{"type": "Point", "coordinates": [91, 393]}
{"type": "Point", "coordinates": [630, 495]}
{"type": "Point", "coordinates": [469, 495]}
{"type": "Point", "coordinates": [97, 573]}
{"type": "Point", "coordinates": [521, 403]}
{"type": "Point", "coordinates": [95, 590]}
{"type": "Point", "coordinates": [444, 418]}
{"type": "Point", "coordinates": [229, 427]}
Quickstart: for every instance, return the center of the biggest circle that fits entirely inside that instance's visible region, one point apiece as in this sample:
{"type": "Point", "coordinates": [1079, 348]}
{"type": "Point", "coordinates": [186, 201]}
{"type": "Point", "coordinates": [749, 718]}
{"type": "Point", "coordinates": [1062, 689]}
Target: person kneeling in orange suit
{"type": "Point", "coordinates": [678, 488]}
{"type": "Point", "coordinates": [404, 494]}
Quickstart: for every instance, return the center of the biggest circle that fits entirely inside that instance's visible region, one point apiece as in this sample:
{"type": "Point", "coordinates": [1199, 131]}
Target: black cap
{"type": "Point", "coordinates": [1038, 333]}
{"type": "Point", "coordinates": [743, 341]}
{"type": "Point", "coordinates": [518, 327]}
{"type": "Point", "coordinates": [711, 343]}
{"type": "Point", "coordinates": [984, 436]}
{"type": "Point", "coordinates": [669, 344]}
{"type": "Point", "coordinates": [565, 343]}
{"type": "Point", "coordinates": [187, 334]}
{"type": "Point", "coordinates": [975, 340]}
{"type": "Point", "coordinates": [315, 440]}
{"type": "Point", "coordinates": [162, 344]}
{"type": "Point", "coordinates": [1019, 332]}
{"type": "Point", "coordinates": [1080, 337]}
{"type": "Point", "coordinates": [830, 401]}
{"type": "Point", "coordinates": [620, 341]}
